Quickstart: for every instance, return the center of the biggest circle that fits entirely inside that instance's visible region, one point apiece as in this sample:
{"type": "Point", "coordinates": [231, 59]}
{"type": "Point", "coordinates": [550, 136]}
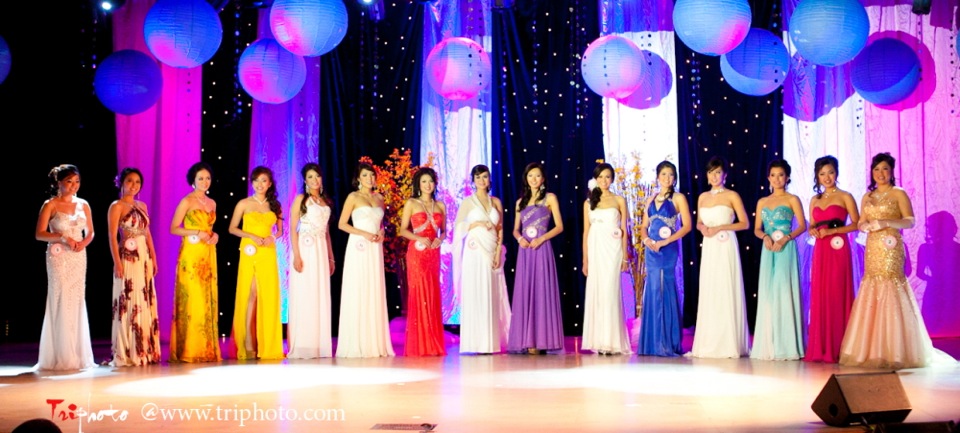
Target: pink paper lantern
{"type": "Point", "coordinates": [270, 73]}
{"type": "Point", "coordinates": [458, 68]}
{"type": "Point", "coordinates": [308, 27]}
{"type": "Point", "coordinates": [612, 66]}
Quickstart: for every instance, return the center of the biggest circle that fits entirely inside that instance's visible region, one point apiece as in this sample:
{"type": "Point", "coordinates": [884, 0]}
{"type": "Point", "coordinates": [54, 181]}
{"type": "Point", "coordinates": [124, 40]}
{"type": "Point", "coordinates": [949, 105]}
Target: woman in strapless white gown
{"type": "Point", "coordinates": [604, 252]}
{"type": "Point", "coordinates": [721, 310]}
{"type": "Point", "coordinates": [485, 307]}
{"type": "Point", "coordinates": [364, 323]}
{"type": "Point", "coordinates": [65, 225]}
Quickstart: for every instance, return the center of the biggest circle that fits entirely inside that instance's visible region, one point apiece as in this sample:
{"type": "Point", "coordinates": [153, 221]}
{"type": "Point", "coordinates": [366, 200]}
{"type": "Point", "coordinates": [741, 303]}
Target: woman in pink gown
{"type": "Point", "coordinates": [833, 214]}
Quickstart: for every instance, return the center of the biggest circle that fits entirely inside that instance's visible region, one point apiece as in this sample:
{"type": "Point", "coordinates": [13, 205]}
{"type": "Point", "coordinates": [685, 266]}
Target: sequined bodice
{"type": "Point", "coordinates": [422, 226]}
{"type": "Point", "coordinates": [884, 255]}
{"type": "Point", "coordinates": [609, 216]}
{"type": "Point", "coordinates": [779, 218]}
{"type": "Point", "coordinates": [134, 223]}
{"type": "Point", "coordinates": [70, 225]}
{"type": "Point", "coordinates": [314, 222]}
{"type": "Point", "coordinates": [665, 216]}
{"type": "Point", "coordinates": [534, 221]}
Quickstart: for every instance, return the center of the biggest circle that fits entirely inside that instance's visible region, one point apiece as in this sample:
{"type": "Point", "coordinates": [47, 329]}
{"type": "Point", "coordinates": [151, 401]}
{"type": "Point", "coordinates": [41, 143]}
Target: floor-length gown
{"type": "Point", "coordinates": [483, 327]}
{"type": "Point", "coordinates": [778, 333]}
{"type": "Point", "coordinates": [65, 336]}
{"type": "Point", "coordinates": [721, 310]}
{"type": "Point", "coordinates": [258, 271]}
{"type": "Point", "coordinates": [535, 321]}
{"type": "Point", "coordinates": [831, 290]}
{"type": "Point", "coordinates": [136, 328]}
{"type": "Point", "coordinates": [604, 326]}
{"type": "Point", "coordinates": [364, 323]}
{"type": "Point", "coordinates": [194, 330]}
{"type": "Point", "coordinates": [661, 315]}
{"type": "Point", "coordinates": [308, 306]}
{"type": "Point", "coordinates": [886, 328]}
{"type": "Point", "coordinates": [424, 333]}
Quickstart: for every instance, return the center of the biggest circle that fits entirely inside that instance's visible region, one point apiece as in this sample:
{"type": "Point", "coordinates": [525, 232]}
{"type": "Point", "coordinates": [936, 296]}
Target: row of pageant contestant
{"type": "Point", "coordinates": [486, 314]}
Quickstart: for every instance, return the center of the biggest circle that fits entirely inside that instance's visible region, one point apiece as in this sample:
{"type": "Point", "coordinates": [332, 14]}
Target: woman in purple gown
{"type": "Point", "coordinates": [537, 326]}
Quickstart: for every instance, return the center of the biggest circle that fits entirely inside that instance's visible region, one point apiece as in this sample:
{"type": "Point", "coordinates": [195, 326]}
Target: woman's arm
{"type": "Point", "coordinates": [294, 234]}
{"type": "Point", "coordinates": [586, 231]}
{"type": "Point", "coordinates": [554, 206]}
{"type": "Point", "coordinates": [88, 232]}
{"type": "Point", "coordinates": [344, 223]}
{"type": "Point", "coordinates": [149, 238]}
{"type": "Point", "coordinates": [238, 211]}
{"type": "Point", "coordinates": [516, 227]}
{"type": "Point", "coordinates": [622, 207]}
{"type": "Point", "coordinates": [499, 231]}
{"type": "Point", "coordinates": [113, 228]}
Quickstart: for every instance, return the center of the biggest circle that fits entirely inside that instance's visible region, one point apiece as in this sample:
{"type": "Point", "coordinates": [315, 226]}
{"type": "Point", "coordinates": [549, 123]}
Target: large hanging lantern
{"type": "Point", "coordinates": [758, 65]}
{"type": "Point", "coordinates": [656, 81]}
{"type": "Point", "coordinates": [182, 33]}
{"type": "Point", "coordinates": [458, 68]}
{"type": "Point", "coordinates": [612, 66]}
{"type": "Point", "coordinates": [128, 82]}
{"type": "Point", "coordinates": [886, 71]}
{"type": "Point", "coordinates": [270, 73]}
{"type": "Point", "coordinates": [5, 59]}
{"type": "Point", "coordinates": [712, 27]}
{"type": "Point", "coordinates": [308, 27]}
{"type": "Point", "coordinates": [829, 32]}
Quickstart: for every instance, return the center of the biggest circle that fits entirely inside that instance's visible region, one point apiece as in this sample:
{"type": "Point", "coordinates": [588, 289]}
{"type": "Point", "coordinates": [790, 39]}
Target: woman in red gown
{"type": "Point", "coordinates": [831, 285]}
{"type": "Point", "coordinates": [423, 224]}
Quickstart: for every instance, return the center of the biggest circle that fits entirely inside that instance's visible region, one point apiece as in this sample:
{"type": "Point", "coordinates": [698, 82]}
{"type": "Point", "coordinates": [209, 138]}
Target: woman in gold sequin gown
{"type": "Point", "coordinates": [885, 329]}
{"type": "Point", "coordinates": [194, 331]}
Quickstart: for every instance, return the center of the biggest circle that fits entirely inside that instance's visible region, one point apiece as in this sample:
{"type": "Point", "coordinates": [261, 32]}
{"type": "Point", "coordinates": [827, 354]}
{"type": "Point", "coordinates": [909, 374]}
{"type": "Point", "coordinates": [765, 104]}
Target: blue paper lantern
{"type": "Point", "coordinates": [458, 68]}
{"type": "Point", "coordinates": [829, 32]}
{"type": "Point", "coordinates": [308, 27]}
{"type": "Point", "coordinates": [5, 59]}
{"type": "Point", "coordinates": [758, 65]}
{"type": "Point", "coordinates": [612, 67]}
{"type": "Point", "coordinates": [712, 27]}
{"type": "Point", "coordinates": [270, 73]}
{"type": "Point", "coordinates": [886, 72]}
{"type": "Point", "coordinates": [182, 33]}
{"type": "Point", "coordinates": [128, 82]}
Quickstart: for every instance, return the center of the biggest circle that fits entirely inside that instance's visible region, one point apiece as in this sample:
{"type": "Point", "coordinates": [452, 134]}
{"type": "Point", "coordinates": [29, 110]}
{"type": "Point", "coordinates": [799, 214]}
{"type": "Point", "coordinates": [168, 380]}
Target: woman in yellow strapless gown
{"type": "Point", "coordinates": [193, 332]}
{"type": "Point", "coordinates": [257, 331]}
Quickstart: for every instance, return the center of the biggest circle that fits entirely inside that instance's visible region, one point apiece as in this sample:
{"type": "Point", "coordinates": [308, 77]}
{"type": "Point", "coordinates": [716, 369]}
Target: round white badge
{"type": "Point", "coordinates": [193, 239]}
{"type": "Point", "coordinates": [616, 233]}
{"type": "Point", "coordinates": [664, 232]}
{"type": "Point", "coordinates": [472, 244]}
{"type": "Point", "coordinates": [531, 232]}
{"type": "Point", "coordinates": [837, 242]}
{"type": "Point", "coordinates": [250, 250]}
{"type": "Point", "coordinates": [56, 249]}
{"type": "Point", "coordinates": [306, 240]}
{"type": "Point", "coordinates": [889, 242]}
{"type": "Point", "coordinates": [723, 236]}
{"type": "Point", "coordinates": [361, 245]}
{"type": "Point", "coordinates": [777, 235]}
{"type": "Point", "coordinates": [130, 244]}
{"type": "Point", "coordinates": [419, 246]}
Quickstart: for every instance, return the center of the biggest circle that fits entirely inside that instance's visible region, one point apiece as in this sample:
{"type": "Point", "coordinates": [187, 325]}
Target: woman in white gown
{"type": "Point", "coordinates": [308, 332]}
{"type": "Point", "coordinates": [605, 246]}
{"type": "Point", "coordinates": [485, 308]}
{"type": "Point", "coordinates": [721, 310]}
{"type": "Point", "coordinates": [364, 324]}
{"type": "Point", "coordinates": [65, 225]}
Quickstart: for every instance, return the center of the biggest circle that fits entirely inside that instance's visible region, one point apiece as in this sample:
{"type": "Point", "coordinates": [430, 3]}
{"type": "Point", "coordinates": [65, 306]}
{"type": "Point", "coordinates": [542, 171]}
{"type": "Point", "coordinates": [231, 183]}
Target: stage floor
{"type": "Point", "coordinates": [571, 392]}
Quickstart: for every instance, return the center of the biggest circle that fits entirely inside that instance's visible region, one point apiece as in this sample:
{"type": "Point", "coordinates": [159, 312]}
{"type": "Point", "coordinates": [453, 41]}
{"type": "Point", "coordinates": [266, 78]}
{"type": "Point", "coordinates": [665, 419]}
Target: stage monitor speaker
{"type": "Point", "coordinates": [868, 398]}
{"type": "Point", "coordinates": [918, 427]}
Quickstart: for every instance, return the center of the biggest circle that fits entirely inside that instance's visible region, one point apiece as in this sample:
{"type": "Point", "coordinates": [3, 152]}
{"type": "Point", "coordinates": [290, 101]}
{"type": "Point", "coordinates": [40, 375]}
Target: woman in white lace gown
{"type": "Point", "coordinates": [364, 323]}
{"type": "Point", "coordinates": [308, 330]}
{"type": "Point", "coordinates": [604, 252]}
{"type": "Point", "coordinates": [65, 225]}
{"type": "Point", "coordinates": [485, 308]}
{"type": "Point", "coordinates": [721, 310]}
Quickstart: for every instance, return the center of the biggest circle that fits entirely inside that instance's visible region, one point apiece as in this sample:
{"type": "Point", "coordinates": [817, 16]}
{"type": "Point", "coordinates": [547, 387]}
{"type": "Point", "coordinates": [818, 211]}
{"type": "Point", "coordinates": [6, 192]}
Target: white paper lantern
{"type": "Point", "coordinates": [270, 73]}
{"type": "Point", "coordinates": [308, 27]}
{"type": "Point", "coordinates": [612, 66]}
{"type": "Point", "coordinates": [712, 27]}
{"type": "Point", "coordinates": [458, 68]}
{"type": "Point", "coordinates": [829, 32]}
{"type": "Point", "coordinates": [758, 65]}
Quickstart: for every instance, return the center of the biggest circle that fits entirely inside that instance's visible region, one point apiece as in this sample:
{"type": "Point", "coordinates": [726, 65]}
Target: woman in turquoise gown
{"type": "Point", "coordinates": [778, 333]}
{"type": "Point", "coordinates": [661, 315]}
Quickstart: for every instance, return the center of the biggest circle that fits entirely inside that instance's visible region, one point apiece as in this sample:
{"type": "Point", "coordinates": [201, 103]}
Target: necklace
{"type": "Point", "coordinates": [258, 200]}
{"type": "Point", "coordinates": [718, 190]}
{"type": "Point", "coordinates": [828, 193]}
{"type": "Point", "coordinates": [204, 201]}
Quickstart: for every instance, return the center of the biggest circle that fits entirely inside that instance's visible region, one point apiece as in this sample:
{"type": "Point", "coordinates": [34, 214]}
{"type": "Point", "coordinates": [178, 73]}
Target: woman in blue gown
{"type": "Point", "coordinates": [778, 334]}
{"type": "Point", "coordinates": [660, 316]}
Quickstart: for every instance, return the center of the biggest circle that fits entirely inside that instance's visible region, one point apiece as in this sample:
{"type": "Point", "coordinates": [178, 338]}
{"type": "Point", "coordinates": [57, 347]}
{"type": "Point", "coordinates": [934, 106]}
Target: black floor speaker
{"type": "Point", "coordinates": [869, 398]}
{"type": "Point", "coordinates": [918, 427]}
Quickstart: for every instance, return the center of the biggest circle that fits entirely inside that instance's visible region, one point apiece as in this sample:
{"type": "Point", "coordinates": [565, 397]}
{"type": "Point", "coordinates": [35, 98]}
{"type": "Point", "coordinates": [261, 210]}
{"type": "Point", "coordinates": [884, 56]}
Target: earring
{"type": "Point", "coordinates": [542, 187]}
{"type": "Point", "coordinates": [321, 189]}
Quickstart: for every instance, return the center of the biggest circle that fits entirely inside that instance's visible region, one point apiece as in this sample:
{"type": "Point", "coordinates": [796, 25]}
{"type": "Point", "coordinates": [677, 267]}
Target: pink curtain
{"type": "Point", "coordinates": [163, 142]}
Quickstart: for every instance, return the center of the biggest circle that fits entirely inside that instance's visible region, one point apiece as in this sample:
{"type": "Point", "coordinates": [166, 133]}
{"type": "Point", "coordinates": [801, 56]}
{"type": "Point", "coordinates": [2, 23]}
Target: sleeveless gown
{"type": "Point", "coordinates": [258, 264]}
{"type": "Point", "coordinates": [308, 329]}
{"type": "Point", "coordinates": [604, 326]}
{"type": "Point", "coordinates": [424, 333]}
{"type": "Point", "coordinates": [136, 328]}
{"type": "Point", "coordinates": [536, 322]}
{"type": "Point", "coordinates": [721, 310]}
{"type": "Point", "coordinates": [65, 336]}
{"type": "Point", "coordinates": [886, 328]}
{"type": "Point", "coordinates": [194, 330]}
{"type": "Point", "coordinates": [831, 290]}
{"type": "Point", "coordinates": [484, 326]}
{"type": "Point", "coordinates": [661, 314]}
{"type": "Point", "coordinates": [364, 323]}
{"type": "Point", "coordinates": [778, 334]}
